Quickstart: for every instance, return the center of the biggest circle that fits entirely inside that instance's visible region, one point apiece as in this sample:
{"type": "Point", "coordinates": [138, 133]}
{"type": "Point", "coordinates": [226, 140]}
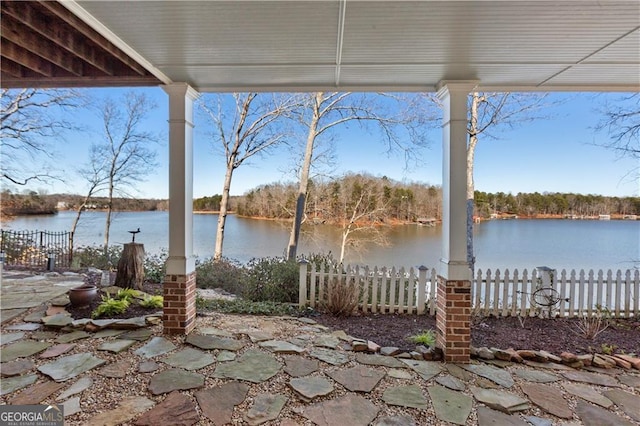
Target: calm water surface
{"type": "Point", "coordinates": [559, 244]}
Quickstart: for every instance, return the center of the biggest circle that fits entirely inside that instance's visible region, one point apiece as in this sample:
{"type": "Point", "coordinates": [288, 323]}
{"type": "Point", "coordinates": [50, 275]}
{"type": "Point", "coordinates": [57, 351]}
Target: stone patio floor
{"type": "Point", "coordinates": [253, 370]}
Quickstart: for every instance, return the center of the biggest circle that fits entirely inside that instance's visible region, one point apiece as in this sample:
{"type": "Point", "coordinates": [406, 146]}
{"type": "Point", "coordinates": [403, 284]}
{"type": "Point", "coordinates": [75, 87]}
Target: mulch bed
{"type": "Point", "coordinates": [553, 335]}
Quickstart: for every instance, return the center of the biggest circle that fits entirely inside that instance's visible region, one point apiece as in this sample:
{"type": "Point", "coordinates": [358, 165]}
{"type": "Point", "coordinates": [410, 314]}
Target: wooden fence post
{"type": "Point", "coordinates": [302, 285]}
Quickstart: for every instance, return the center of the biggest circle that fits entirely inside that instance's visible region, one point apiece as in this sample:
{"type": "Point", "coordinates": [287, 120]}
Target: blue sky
{"type": "Point", "coordinates": [552, 155]}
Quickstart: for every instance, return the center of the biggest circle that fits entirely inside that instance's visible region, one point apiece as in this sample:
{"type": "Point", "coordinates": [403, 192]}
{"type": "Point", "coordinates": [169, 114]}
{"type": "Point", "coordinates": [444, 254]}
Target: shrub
{"type": "Point", "coordinates": [591, 326]}
{"type": "Point", "coordinates": [152, 302]}
{"type": "Point", "coordinates": [272, 278]}
{"type": "Point", "coordinates": [109, 307]}
{"type": "Point", "coordinates": [94, 257]}
{"type": "Point", "coordinates": [155, 266]}
{"type": "Point", "coordinates": [342, 297]}
{"type": "Point", "coordinates": [322, 260]}
{"type": "Point", "coordinates": [426, 338]}
{"type": "Point", "coordinates": [224, 273]}
{"type": "Point", "coordinates": [241, 306]}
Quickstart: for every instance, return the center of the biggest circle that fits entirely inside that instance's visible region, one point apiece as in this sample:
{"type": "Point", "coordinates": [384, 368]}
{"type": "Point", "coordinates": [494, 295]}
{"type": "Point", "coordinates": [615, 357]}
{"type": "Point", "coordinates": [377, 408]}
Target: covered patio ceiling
{"type": "Point", "coordinates": [268, 45]}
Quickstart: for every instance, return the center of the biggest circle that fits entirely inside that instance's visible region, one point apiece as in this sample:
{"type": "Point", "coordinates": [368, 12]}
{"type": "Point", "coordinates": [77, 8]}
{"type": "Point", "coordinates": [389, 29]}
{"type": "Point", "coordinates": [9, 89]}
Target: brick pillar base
{"type": "Point", "coordinates": [453, 319]}
{"type": "Point", "coordinates": [179, 313]}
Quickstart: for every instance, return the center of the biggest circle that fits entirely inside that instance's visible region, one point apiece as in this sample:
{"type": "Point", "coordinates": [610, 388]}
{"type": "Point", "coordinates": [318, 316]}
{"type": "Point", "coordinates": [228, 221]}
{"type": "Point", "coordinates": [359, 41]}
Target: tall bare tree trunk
{"type": "Point", "coordinates": [471, 151]}
{"type": "Point", "coordinates": [224, 203]}
{"type": "Point", "coordinates": [294, 237]}
{"type": "Point", "coordinates": [107, 223]}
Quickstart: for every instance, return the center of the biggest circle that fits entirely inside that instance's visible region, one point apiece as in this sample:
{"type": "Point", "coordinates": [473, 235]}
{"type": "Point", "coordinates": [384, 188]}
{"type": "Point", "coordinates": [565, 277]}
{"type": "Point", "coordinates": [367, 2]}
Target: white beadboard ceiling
{"type": "Point", "coordinates": [377, 45]}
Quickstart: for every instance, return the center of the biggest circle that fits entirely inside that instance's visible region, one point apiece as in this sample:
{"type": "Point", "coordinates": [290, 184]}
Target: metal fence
{"type": "Point", "coordinates": [40, 249]}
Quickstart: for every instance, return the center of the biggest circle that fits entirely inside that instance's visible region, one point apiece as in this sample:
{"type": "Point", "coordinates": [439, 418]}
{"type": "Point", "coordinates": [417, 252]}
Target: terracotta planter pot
{"type": "Point", "coordinates": [83, 295]}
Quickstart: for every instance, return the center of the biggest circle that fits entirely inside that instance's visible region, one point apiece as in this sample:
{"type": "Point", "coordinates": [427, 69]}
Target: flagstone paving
{"type": "Point", "coordinates": [253, 370]}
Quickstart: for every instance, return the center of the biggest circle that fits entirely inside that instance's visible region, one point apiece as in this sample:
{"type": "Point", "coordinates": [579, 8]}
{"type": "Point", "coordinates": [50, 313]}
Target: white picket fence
{"type": "Point", "coordinates": [413, 290]}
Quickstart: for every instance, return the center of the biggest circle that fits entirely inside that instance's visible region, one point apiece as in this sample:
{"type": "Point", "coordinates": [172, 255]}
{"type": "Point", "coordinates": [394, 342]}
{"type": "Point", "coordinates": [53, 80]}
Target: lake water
{"type": "Point", "coordinates": [559, 244]}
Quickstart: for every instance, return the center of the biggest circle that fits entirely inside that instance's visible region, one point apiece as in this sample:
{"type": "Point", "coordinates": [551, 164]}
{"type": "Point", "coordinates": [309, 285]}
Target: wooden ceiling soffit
{"type": "Point", "coordinates": [43, 44]}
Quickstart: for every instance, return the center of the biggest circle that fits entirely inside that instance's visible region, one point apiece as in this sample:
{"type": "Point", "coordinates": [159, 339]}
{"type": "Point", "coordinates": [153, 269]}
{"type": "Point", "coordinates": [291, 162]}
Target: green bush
{"type": "Point", "coordinates": [155, 266]}
{"type": "Point", "coordinates": [272, 278]}
{"type": "Point", "coordinates": [226, 274]}
{"type": "Point", "coordinates": [109, 307]}
{"type": "Point", "coordinates": [241, 306]}
{"type": "Point", "coordinates": [94, 257]}
{"type": "Point", "coordinates": [152, 302]}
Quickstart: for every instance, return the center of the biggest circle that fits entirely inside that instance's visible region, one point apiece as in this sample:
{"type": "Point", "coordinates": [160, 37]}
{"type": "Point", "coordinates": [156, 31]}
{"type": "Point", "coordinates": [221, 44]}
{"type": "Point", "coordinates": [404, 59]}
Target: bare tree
{"type": "Point", "coordinates": [251, 125]}
{"type": "Point", "coordinates": [125, 155]}
{"type": "Point", "coordinates": [30, 120]}
{"type": "Point", "coordinates": [621, 120]}
{"type": "Point", "coordinates": [322, 112]}
{"type": "Point", "coordinates": [487, 113]}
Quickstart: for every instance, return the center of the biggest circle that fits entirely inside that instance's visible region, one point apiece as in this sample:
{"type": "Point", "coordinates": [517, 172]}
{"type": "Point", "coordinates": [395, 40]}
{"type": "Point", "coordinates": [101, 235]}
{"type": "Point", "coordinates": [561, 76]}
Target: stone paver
{"type": "Point", "coordinates": [397, 373]}
{"type": "Point", "coordinates": [352, 410]}
{"type": "Point", "coordinates": [57, 350]}
{"type": "Point", "coordinates": [208, 342]}
{"type": "Point", "coordinates": [10, 337]}
{"type": "Point", "coordinates": [116, 369]}
{"type": "Point", "coordinates": [110, 332]}
{"type": "Point", "coordinates": [22, 349]}
{"type": "Point", "coordinates": [405, 396]}
{"type": "Point", "coordinates": [496, 375]}
{"type": "Point", "coordinates": [72, 406]}
{"type": "Point", "coordinates": [281, 347]}
{"type": "Point", "coordinates": [633, 381]}
{"type": "Point", "coordinates": [588, 393]}
{"type": "Point", "coordinates": [253, 366]}
{"type": "Point", "coordinates": [548, 398]}
{"type": "Point", "coordinates": [266, 407]}
{"type": "Point", "coordinates": [189, 359]}
{"type": "Point", "coordinates": [396, 421]}
{"type": "Point", "coordinates": [596, 416]}
{"type": "Point", "coordinates": [380, 360]}
{"type": "Point", "coordinates": [329, 356]}
{"type": "Point", "coordinates": [216, 332]}
{"type": "Point", "coordinates": [326, 341]}
{"type": "Point", "coordinates": [591, 378]}
{"type": "Point", "coordinates": [451, 406]}
{"type": "Point", "coordinates": [489, 417]}
{"type": "Point", "coordinates": [297, 366]}
{"type": "Point", "coordinates": [68, 367]}
{"type": "Point", "coordinates": [536, 376]}
{"type": "Point", "coordinates": [506, 402]}
{"type": "Point", "coordinates": [15, 368]}
{"type": "Point", "coordinates": [451, 382]}
{"type": "Point", "coordinates": [308, 388]}
{"type": "Point", "coordinates": [148, 366]}
{"type": "Point", "coordinates": [128, 409]}
{"type": "Point", "coordinates": [36, 393]}
{"type": "Point", "coordinates": [154, 347]}
{"type": "Point", "coordinates": [116, 346]}
{"type": "Point", "coordinates": [176, 409]}
{"type": "Point", "coordinates": [24, 327]}
{"type": "Point", "coordinates": [224, 356]}
{"type": "Point", "coordinates": [358, 378]}
{"type": "Point", "coordinates": [57, 321]}
{"type": "Point", "coordinates": [80, 385]}
{"type": "Point", "coordinates": [426, 369]}
{"type": "Point", "coordinates": [12, 384]}
{"type": "Point", "coordinates": [175, 379]}
{"type": "Point", "coordinates": [217, 403]}
{"type": "Point", "coordinates": [628, 402]}
{"type": "Point", "coordinates": [140, 335]}
{"type": "Point", "coordinates": [44, 335]}
{"type": "Point", "coordinates": [72, 337]}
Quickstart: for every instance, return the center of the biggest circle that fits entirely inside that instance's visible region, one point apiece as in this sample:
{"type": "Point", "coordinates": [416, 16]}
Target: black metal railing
{"type": "Point", "coordinates": [42, 249]}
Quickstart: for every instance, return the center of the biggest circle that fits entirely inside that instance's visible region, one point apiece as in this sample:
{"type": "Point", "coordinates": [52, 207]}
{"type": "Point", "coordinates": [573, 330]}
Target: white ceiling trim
{"type": "Point", "coordinates": [81, 13]}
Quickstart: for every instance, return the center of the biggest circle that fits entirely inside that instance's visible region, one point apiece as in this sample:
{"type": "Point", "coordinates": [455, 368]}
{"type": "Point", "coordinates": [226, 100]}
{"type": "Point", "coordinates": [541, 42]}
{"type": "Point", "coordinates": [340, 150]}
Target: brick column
{"type": "Point", "coordinates": [453, 319]}
{"type": "Point", "coordinates": [179, 313]}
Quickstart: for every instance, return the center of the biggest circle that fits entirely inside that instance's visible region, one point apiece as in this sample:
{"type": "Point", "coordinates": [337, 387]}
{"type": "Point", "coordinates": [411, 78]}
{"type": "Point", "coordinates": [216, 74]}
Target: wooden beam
{"type": "Point", "coordinates": [58, 32]}
{"type": "Point", "coordinates": [25, 58]}
{"type": "Point", "coordinates": [33, 42]}
{"type": "Point", "coordinates": [9, 82]}
{"type": "Point", "coordinates": [84, 29]}
{"type": "Point", "coordinates": [10, 68]}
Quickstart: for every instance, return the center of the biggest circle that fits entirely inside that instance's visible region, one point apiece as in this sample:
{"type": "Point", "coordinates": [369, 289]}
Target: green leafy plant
{"type": "Point", "coordinates": [426, 338]}
{"type": "Point", "coordinates": [109, 307]}
{"type": "Point", "coordinates": [272, 279]}
{"type": "Point", "coordinates": [242, 306]}
{"type": "Point", "coordinates": [127, 294]}
{"type": "Point", "coordinates": [152, 302]}
{"type": "Point", "coordinates": [226, 274]}
{"type": "Point", "coordinates": [608, 349]}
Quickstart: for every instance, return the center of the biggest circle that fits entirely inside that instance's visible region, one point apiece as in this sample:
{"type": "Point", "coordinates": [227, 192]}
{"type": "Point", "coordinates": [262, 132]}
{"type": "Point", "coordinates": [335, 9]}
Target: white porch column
{"type": "Point", "coordinates": [453, 94]}
{"type": "Point", "coordinates": [453, 300]}
{"type": "Point", "coordinates": [179, 310]}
